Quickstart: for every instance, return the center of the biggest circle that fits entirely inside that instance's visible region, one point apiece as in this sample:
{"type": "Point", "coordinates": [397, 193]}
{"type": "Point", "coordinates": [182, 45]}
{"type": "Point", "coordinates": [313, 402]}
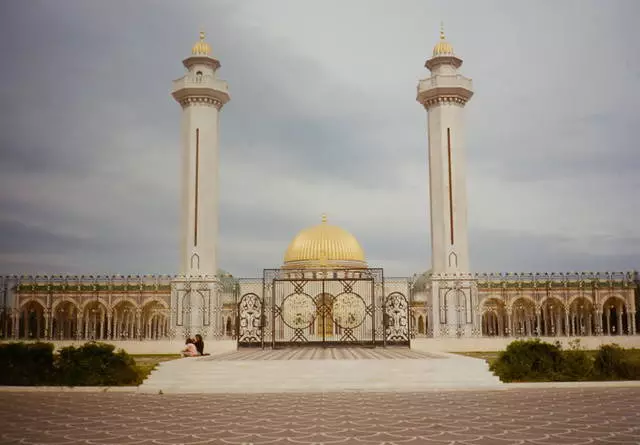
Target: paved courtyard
{"type": "Point", "coordinates": [517, 416]}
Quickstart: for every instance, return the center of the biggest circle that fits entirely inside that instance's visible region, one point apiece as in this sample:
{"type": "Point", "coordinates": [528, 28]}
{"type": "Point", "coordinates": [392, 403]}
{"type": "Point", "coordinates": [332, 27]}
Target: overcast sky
{"type": "Point", "coordinates": [322, 118]}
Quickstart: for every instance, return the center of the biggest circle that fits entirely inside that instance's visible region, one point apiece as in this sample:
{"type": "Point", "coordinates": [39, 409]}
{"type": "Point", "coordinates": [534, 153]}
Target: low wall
{"type": "Point", "coordinates": [500, 344]}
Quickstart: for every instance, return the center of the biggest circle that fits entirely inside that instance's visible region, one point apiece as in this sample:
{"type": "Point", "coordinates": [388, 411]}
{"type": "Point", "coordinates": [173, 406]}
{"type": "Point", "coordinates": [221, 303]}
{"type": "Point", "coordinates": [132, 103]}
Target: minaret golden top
{"type": "Point", "coordinates": [201, 48]}
{"type": "Point", "coordinates": [442, 48]}
{"type": "Point", "coordinates": [324, 217]}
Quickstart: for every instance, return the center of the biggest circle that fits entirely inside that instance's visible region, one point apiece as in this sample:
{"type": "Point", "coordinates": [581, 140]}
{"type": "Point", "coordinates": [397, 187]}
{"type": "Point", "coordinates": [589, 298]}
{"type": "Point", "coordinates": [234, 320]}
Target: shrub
{"type": "Point", "coordinates": [529, 360]}
{"type": "Point", "coordinates": [577, 365]}
{"type": "Point", "coordinates": [96, 364]}
{"type": "Point", "coordinates": [615, 363]}
{"type": "Point", "coordinates": [26, 364]}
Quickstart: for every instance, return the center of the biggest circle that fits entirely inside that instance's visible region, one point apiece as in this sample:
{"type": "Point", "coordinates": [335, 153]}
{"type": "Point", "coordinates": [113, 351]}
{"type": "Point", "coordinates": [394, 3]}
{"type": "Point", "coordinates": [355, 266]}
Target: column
{"type": "Point", "coordinates": [103, 321]}
{"type": "Point", "coordinates": [109, 324]}
{"type": "Point", "coordinates": [137, 324]}
{"type": "Point", "coordinates": [619, 314]}
{"type": "Point", "coordinates": [15, 329]}
{"type": "Point", "coordinates": [47, 324]}
{"type": "Point", "coordinates": [567, 327]}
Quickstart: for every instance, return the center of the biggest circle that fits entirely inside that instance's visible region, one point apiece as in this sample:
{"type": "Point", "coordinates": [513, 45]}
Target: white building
{"type": "Point", "coordinates": [324, 292]}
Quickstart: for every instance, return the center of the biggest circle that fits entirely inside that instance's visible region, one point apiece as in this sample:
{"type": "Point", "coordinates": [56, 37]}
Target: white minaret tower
{"type": "Point", "coordinates": [201, 95]}
{"type": "Point", "coordinates": [444, 96]}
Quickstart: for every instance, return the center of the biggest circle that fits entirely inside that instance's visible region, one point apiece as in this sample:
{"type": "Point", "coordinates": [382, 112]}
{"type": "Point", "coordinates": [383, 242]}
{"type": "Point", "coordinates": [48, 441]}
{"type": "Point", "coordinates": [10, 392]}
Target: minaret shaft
{"type": "Point", "coordinates": [444, 96]}
{"type": "Point", "coordinates": [201, 96]}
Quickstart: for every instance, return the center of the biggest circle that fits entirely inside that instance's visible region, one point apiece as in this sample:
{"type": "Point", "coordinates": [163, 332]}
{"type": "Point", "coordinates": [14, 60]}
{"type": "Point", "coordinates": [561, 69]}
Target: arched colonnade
{"type": "Point", "coordinates": [67, 319]}
{"type": "Point", "coordinates": [552, 318]}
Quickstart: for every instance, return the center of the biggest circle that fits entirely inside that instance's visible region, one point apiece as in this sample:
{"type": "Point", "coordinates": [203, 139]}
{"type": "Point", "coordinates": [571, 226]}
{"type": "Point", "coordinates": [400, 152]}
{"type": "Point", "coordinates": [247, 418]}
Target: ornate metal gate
{"type": "Point", "coordinates": [397, 329]}
{"type": "Point", "coordinates": [323, 308]}
{"type": "Point", "coordinates": [250, 323]}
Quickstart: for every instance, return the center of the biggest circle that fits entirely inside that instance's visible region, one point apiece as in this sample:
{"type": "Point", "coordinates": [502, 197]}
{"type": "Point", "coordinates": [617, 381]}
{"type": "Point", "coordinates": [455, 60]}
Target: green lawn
{"type": "Point", "coordinates": [148, 362]}
{"type": "Point", "coordinates": [489, 356]}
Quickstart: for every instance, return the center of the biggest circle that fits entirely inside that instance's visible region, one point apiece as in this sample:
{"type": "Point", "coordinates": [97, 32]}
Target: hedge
{"type": "Point", "coordinates": [92, 364]}
{"type": "Point", "coordinates": [537, 361]}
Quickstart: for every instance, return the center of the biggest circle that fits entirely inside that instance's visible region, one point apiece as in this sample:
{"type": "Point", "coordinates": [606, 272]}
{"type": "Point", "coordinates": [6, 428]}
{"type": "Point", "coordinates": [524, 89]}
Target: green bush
{"type": "Point", "coordinates": [577, 365]}
{"type": "Point", "coordinates": [534, 361]}
{"type": "Point", "coordinates": [93, 364]}
{"type": "Point", "coordinates": [96, 364]}
{"type": "Point", "coordinates": [615, 363]}
{"type": "Point", "coordinates": [26, 364]}
{"type": "Point", "coordinates": [528, 360]}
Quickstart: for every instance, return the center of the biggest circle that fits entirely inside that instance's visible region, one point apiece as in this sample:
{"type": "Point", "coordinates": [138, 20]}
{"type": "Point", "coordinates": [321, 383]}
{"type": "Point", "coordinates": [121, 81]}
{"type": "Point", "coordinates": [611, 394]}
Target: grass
{"type": "Point", "coordinates": [488, 356]}
{"type": "Point", "coordinates": [148, 362]}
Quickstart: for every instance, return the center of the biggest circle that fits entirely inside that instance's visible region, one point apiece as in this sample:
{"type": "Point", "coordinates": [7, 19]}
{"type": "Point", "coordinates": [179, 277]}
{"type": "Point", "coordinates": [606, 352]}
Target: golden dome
{"type": "Point", "coordinates": [201, 48]}
{"type": "Point", "coordinates": [324, 246]}
{"type": "Point", "coordinates": [442, 48]}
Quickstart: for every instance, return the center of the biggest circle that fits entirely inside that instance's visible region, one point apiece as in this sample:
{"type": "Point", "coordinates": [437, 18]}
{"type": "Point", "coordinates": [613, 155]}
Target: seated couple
{"type": "Point", "coordinates": [195, 347]}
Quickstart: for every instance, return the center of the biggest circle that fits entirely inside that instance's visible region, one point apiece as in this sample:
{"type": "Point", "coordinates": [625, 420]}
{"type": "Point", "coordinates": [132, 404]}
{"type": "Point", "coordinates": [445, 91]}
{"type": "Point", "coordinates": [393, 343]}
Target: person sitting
{"type": "Point", "coordinates": [190, 350]}
{"type": "Point", "coordinates": [199, 344]}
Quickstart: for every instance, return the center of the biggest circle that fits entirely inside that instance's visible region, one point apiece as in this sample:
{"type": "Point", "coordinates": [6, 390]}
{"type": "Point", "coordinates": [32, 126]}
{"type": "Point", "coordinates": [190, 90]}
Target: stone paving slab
{"type": "Point", "coordinates": [523, 416]}
{"type": "Point", "coordinates": [342, 353]}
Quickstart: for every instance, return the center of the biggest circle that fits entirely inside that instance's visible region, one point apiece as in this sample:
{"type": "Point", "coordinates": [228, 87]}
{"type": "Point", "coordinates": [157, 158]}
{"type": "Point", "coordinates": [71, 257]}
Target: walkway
{"type": "Point", "coordinates": [318, 369]}
{"type": "Point", "coordinates": [541, 416]}
{"type": "Point", "coordinates": [340, 353]}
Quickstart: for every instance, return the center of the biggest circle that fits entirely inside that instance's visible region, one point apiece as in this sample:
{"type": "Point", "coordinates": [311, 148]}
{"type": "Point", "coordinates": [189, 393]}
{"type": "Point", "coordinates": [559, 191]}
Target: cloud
{"type": "Point", "coordinates": [323, 118]}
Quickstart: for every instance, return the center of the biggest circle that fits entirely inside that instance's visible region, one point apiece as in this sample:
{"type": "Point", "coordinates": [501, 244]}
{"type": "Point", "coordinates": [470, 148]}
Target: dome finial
{"type": "Point", "coordinates": [201, 48]}
{"type": "Point", "coordinates": [442, 48]}
{"type": "Point", "coordinates": [324, 217]}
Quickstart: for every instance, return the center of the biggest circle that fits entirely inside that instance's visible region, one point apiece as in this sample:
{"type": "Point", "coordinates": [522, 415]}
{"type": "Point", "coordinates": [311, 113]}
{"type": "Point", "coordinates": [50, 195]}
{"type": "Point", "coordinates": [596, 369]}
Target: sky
{"type": "Point", "coordinates": [322, 119]}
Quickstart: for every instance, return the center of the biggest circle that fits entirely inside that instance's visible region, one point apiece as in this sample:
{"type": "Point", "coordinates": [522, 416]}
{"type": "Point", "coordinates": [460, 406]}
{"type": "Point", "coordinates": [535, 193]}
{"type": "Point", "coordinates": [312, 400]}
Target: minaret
{"type": "Point", "coordinates": [444, 96]}
{"type": "Point", "coordinates": [201, 95]}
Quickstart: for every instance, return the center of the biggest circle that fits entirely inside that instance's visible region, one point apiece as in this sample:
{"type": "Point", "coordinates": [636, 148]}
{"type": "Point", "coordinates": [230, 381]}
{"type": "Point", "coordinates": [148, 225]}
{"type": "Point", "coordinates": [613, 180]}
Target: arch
{"type": "Point", "coordinates": [119, 300]}
{"type": "Point", "coordinates": [523, 316]}
{"type": "Point", "coordinates": [610, 296]}
{"type": "Point", "coordinates": [578, 297]}
{"type": "Point", "coordinates": [65, 299]}
{"type": "Point", "coordinates": [582, 319]}
{"type": "Point", "coordinates": [250, 319]}
{"type": "Point", "coordinates": [64, 319]}
{"type": "Point", "coordinates": [39, 301]}
{"type": "Point", "coordinates": [195, 259]}
{"type": "Point", "coordinates": [153, 316]}
{"type": "Point", "coordinates": [494, 316]}
{"type": "Point", "coordinates": [552, 317]}
{"type": "Point", "coordinates": [456, 308]}
{"type": "Point", "coordinates": [421, 325]}
{"type": "Point", "coordinates": [124, 319]}
{"type": "Point", "coordinates": [94, 319]}
{"type": "Point", "coordinates": [454, 257]}
{"type": "Point", "coordinates": [615, 315]}
{"type": "Point", "coordinates": [32, 323]}
{"type": "Point", "coordinates": [90, 300]}
{"type": "Point", "coordinates": [228, 327]}
{"type": "Point", "coordinates": [160, 300]}
{"type": "Point", "coordinates": [323, 318]}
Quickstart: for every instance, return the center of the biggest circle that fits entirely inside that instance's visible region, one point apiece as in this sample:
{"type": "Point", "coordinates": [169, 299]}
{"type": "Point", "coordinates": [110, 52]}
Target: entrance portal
{"type": "Point", "coordinates": [323, 308]}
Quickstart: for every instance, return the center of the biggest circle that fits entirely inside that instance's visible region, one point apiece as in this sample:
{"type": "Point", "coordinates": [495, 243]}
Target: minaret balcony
{"type": "Point", "coordinates": [444, 81]}
{"type": "Point", "coordinates": [200, 81]}
{"type": "Point", "coordinates": [455, 86]}
{"type": "Point", "coordinates": [200, 85]}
